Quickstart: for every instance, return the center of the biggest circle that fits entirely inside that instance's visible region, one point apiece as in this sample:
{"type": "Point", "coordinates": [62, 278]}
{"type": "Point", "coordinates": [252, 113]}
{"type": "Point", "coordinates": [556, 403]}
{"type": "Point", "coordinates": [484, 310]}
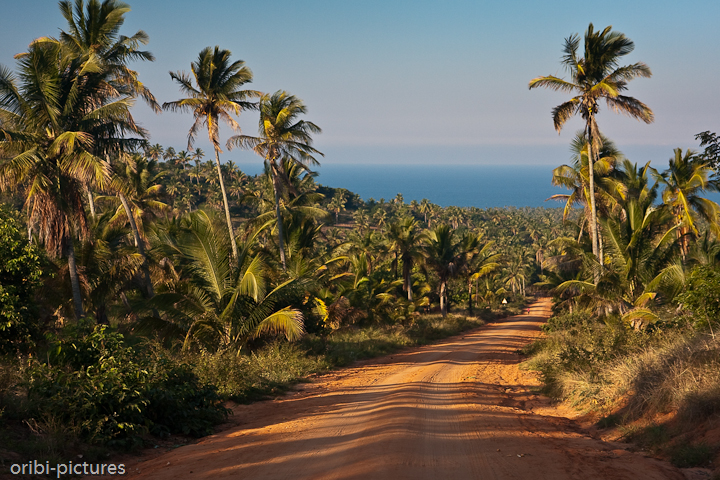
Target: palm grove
{"type": "Point", "coordinates": [109, 241]}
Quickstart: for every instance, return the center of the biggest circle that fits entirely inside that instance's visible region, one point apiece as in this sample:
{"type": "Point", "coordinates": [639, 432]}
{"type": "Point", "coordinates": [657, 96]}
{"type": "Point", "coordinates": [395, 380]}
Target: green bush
{"type": "Point", "coordinates": [702, 295]}
{"type": "Point", "coordinates": [20, 272]}
{"type": "Point", "coordinates": [109, 393]}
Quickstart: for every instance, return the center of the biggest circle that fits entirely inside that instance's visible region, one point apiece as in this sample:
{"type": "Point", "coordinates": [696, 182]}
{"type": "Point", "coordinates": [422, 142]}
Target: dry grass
{"type": "Point", "coordinates": [607, 369]}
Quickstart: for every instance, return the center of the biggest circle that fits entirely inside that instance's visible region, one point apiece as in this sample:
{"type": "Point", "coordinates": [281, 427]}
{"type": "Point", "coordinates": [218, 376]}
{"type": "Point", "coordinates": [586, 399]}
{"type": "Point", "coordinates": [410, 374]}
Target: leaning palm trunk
{"type": "Point", "coordinates": [91, 202]}
{"type": "Point", "coordinates": [227, 207]}
{"type": "Point", "coordinates": [140, 245]}
{"type": "Point", "coordinates": [74, 280]}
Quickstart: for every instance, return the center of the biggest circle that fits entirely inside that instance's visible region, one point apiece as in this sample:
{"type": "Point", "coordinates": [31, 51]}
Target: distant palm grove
{"type": "Point", "coordinates": [143, 285]}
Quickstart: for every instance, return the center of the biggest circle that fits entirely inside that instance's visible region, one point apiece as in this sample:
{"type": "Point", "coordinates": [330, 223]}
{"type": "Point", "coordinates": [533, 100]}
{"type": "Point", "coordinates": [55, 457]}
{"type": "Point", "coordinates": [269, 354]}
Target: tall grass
{"type": "Point", "coordinates": [275, 367]}
{"type": "Point", "coordinates": [608, 368]}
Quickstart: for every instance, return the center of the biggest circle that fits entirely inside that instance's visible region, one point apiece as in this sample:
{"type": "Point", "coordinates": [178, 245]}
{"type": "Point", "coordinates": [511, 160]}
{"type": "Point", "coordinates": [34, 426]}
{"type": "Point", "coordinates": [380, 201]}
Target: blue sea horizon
{"type": "Point", "coordinates": [482, 186]}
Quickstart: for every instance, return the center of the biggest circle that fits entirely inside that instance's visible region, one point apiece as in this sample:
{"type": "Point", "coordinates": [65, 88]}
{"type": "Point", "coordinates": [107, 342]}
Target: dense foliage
{"type": "Point", "coordinates": [20, 275]}
{"type": "Point", "coordinates": [113, 393]}
{"type": "Point", "coordinates": [225, 273]}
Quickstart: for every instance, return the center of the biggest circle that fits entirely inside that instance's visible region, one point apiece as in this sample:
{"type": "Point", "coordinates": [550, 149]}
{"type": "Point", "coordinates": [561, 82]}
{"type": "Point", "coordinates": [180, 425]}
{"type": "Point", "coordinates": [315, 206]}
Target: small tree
{"type": "Point", "coordinates": [19, 277]}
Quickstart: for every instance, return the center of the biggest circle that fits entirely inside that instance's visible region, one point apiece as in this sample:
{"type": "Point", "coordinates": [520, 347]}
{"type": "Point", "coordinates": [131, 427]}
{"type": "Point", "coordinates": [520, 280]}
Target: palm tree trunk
{"type": "Point", "coordinates": [407, 286]}
{"type": "Point", "coordinates": [227, 207]}
{"type": "Point", "coordinates": [470, 303]}
{"type": "Point", "coordinates": [276, 191]}
{"type": "Point", "coordinates": [140, 245]}
{"type": "Point", "coordinates": [443, 303]}
{"type": "Point", "coordinates": [593, 210]}
{"type": "Point", "coordinates": [91, 202]}
{"type": "Point", "coordinates": [74, 281]}
{"type": "Point", "coordinates": [600, 248]}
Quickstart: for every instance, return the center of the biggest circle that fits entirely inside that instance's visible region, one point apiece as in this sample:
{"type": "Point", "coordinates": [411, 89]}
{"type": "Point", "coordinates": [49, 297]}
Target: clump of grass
{"type": "Point", "coordinates": [650, 437]}
{"type": "Point", "coordinates": [609, 421]}
{"type": "Point", "coordinates": [277, 366]}
{"type": "Point", "coordinates": [692, 455]}
{"type": "Point", "coordinates": [270, 370]}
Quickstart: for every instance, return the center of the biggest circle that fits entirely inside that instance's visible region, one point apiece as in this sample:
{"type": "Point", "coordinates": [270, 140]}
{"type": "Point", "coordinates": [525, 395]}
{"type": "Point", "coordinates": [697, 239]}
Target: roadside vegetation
{"type": "Point", "coordinates": [143, 287]}
{"type": "Point", "coordinates": [636, 300]}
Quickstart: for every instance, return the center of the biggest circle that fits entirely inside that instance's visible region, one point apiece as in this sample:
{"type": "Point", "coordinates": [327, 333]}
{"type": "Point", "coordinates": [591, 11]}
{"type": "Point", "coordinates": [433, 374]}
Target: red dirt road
{"type": "Point", "coordinates": [460, 409]}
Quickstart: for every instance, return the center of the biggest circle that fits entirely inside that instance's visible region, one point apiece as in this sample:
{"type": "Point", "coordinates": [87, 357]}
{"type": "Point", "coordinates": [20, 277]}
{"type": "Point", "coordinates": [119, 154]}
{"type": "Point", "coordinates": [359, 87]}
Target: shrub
{"type": "Point", "coordinates": [113, 394]}
{"type": "Point", "coordinates": [20, 272]}
{"type": "Point", "coordinates": [702, 295]}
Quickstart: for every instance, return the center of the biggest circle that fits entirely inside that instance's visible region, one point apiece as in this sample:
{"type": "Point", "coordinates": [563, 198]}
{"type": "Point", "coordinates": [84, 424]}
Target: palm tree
{"type": "Point", "coordinates": [642, 252]}
{"type": "Point", "coordinates": [595, 76]}
{"type": "Point", "coordinates": [57, 122]}
{"type": "Point", "coordinates": [361, 220]}
{"type": "Point", "coordinates": [425, 207]}
{"type": "Point", "coordinates": [108, 265]}
{"type": "Point", "coordinates": [213, 304]}
{"type": "Point", "coordinates": [154, 152]}
{"type": "Point", "coordinates": [444, 255]}
{"type": "Point", "coordinates": [685, 180]}
{"type": "Point", "coordinates": [94, 41]}
{"type": "Point", "coordinates": [138, 196]}
{"type": "Point", "coordinates": [576, 178]}
{"type": "Point", "coordinates": [407, 241]}
{"type": "Point", "coordinates": [480, 261]}
{"type": "Point", "coordinates": [281, 136]}
{"type": "Point", "coordinates": [337, 205]}
{"type": "Point", "coordinates": [183, 158]}
{"type": "Point", "coordinates": [214, 97]}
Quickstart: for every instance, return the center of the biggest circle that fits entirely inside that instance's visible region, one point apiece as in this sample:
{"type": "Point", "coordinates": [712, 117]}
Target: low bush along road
{"type": "Point", "coordinates": [459, 409]}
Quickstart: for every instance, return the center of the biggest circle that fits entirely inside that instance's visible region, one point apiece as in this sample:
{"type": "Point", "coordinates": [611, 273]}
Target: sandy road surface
{"type": "Point", "coordinates": [460, 409]}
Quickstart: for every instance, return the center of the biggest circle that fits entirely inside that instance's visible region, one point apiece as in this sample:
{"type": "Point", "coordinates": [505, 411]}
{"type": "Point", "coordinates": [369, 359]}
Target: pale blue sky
{"type": "Point", "coordinates": [420, 81]}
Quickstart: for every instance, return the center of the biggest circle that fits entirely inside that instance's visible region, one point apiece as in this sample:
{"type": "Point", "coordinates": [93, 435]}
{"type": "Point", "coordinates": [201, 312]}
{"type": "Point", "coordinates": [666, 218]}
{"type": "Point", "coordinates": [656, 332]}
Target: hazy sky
{"type": "Point", "coordinates": [423, 81]}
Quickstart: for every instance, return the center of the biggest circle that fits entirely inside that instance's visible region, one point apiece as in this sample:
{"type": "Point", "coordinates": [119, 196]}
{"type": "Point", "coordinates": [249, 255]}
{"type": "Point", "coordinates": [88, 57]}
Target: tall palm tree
{"type": "Point", "coordinates": [281, 136]}
{"type": "Point", "coordinates": [215, 95]}
{"type": "Point", "coordinates": [198, 156]}
{"type": "Point", "coordinates": [154, 152]}
{"type": "Point", "coordinates": [337, 205]}
{"type": "Point", "coordinates": [425, 206]}
{"type": "Point", "coordinates": [594, 76]}
{"type": "Point", "coordinates": [183, 158]}
{"type": "Point", "coordinates": [576, 176]}
{"type": "Point", "coordinates": [56, 123]}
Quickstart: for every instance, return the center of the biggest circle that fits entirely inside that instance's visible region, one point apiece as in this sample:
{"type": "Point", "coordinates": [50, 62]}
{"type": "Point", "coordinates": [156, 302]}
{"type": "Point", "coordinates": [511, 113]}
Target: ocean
{"type": "Point", "coordinates": [481, 186]}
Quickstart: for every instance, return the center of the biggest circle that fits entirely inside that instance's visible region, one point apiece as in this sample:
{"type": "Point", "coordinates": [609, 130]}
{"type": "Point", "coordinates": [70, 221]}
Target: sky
{"type": "Point", "coordinates": [402, 82]}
